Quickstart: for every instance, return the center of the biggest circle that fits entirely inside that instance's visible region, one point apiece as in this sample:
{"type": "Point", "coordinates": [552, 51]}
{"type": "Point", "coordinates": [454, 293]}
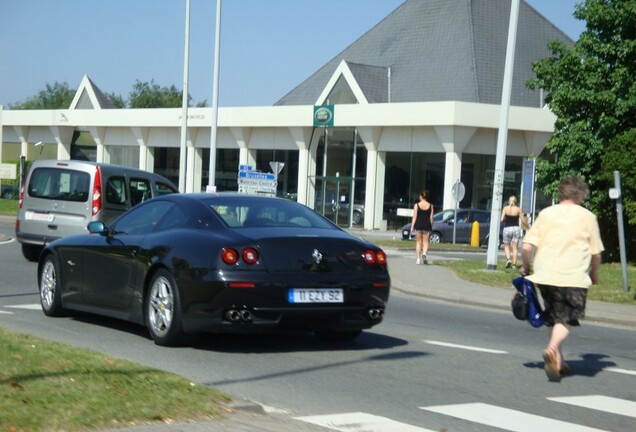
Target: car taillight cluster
{"type": "Point", "coordinates": [230, 256]}
{"type": "Point", "coordinates": [374, 257]}
{"type": "Point", "coordinates": [97, 192]}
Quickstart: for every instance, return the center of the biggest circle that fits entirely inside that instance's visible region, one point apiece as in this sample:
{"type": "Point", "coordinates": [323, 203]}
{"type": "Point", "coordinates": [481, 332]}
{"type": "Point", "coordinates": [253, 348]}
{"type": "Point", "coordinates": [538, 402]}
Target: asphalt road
{"type": "Point", "coordinates": [426, 366]}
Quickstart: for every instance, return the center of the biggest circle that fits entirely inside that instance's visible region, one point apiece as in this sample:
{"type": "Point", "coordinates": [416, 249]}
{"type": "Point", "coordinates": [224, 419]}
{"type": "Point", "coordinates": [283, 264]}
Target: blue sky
{"type": "Point", "coordinates": [267, 46]}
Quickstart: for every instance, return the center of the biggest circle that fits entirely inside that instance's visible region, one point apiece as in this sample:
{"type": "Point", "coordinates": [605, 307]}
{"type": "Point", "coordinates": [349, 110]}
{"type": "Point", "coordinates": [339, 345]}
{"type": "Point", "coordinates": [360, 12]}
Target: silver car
{"type": "Point", "coordinates": [445, 221]}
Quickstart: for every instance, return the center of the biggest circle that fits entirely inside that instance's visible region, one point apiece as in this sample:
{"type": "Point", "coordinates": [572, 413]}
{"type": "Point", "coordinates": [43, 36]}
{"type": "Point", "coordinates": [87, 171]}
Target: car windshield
{"type": "Point", "coordinates": [238, 212]}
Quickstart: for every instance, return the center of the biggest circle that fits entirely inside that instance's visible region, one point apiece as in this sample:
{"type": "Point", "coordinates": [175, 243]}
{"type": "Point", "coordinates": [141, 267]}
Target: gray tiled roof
{"type": "Point", "coordinates": [440, 50]}
{"type": "Point", "coordinates": [104, 101]}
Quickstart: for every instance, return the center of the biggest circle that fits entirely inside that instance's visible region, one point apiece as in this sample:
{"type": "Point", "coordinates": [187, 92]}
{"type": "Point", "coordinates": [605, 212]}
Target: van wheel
{"type": "Point", "coordinates": [49, 284]}
{"type": "Point", "coordinates": [31, 252]}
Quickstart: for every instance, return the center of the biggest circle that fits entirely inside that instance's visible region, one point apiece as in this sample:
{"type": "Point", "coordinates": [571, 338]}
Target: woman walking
{"type": "Point", "coordinates": [568, 246]}
{"type": "Point", "coordinates": [422, 225]}
{"type": "Point", "coordinates": [510, 216]}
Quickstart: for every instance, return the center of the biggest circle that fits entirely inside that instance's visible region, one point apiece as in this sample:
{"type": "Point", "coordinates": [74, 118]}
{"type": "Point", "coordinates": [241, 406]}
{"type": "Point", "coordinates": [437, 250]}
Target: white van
{"type": "Point", "coordinates": [60, 198]}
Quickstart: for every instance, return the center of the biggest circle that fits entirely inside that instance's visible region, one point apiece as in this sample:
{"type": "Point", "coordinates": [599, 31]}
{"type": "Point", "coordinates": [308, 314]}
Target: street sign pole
{"type": "Point", "coordinates": [615, 193]}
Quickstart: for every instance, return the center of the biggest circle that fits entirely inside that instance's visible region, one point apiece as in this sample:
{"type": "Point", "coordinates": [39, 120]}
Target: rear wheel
{"type": "Point", "coordinates": [338, 336]}
{"type": "Point", "coordinates": [163, 310]}
{"type": "Point", "coordinates": [31, 252]}
{"type": "Point", "coordinates": [50, 295]}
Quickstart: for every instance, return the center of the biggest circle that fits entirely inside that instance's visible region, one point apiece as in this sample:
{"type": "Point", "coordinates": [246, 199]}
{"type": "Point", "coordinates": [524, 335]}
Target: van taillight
{"type": "Point", "coordinates": [97, 192]}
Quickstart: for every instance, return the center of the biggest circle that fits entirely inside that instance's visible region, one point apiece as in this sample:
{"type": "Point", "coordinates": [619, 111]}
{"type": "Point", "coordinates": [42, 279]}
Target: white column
{"type": "Point", "coordinates": [98, 134]}
{"type": "Point", "coordinates": [301, 137]}
{"type": "Point", "coordinates": [454, 140]}
{"type": "Point", "coordinates": [190, 161]}
{"type": "Point", "coordinates": [63, 136]}
{"type": "Point", "coordinates": [23, 134]}
{"type": "Point", "coordinates": [374, 196]}
{"type": "Point", "coordinates": [141, 136]}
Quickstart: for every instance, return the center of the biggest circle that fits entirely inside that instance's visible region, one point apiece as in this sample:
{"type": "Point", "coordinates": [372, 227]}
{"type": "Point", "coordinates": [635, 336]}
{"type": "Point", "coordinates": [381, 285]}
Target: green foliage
{"type": "Point", "coordinates": [151, 95]}
{"type": "Point", "coordinates": [53, 96]}
{"type": "Point", "coordinates": [117, 100]}
{"type": "Point", "coordinates": [591, 88]}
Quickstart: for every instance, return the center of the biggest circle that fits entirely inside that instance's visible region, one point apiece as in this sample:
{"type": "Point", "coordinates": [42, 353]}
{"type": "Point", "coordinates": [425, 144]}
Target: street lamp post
{"type": "Point", "coordinates": [500, 159]}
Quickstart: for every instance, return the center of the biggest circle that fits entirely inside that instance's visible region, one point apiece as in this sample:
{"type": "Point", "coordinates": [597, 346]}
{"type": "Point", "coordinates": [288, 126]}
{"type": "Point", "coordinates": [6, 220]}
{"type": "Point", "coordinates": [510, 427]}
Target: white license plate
{"type": "Point", "coordinates": [315, 295]}
{"type": "Point", "coordinates": [42, 217]}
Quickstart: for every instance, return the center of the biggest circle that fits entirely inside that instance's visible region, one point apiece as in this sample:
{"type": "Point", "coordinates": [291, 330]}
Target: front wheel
{"type": "Point", "coordinates": [435, 237]}
{"type": "Point", "coordinates": [50, 287]}
{"type": "Point", "coordinates": [163, 310]}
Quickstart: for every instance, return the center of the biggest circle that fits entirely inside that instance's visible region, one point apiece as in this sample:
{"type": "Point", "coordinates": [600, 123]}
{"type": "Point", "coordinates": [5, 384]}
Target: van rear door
{"type": "Point", "coordinates": [59, 202]}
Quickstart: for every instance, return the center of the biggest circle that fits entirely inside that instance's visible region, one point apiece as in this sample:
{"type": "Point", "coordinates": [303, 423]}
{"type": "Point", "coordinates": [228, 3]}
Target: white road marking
{"type": "Point", "coordinates": [465, 347]}
{"type": "Point", "coordinates": [32, 306]}
{"type": "Point", "coordinates": [507, 419]}
{"type": "Point", "coordinates": [601, 403]}
{"type": "Point", "coordinates": [360, 422]}
{"type": "Point", "coordinates": [6, 312]}
{"type": "Point", "coordinates": [619, 370]}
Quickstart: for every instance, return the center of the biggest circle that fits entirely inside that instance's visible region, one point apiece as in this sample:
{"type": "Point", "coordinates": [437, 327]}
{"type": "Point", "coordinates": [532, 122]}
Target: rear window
{"type": "Point", "coordinates": [242, 213]}
{"type": "Point", "coordinates": [59, 184]}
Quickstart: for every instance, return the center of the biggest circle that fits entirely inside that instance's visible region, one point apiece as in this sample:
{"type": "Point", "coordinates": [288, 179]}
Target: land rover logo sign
{"type": "Point", "coordinates": [323, 115]}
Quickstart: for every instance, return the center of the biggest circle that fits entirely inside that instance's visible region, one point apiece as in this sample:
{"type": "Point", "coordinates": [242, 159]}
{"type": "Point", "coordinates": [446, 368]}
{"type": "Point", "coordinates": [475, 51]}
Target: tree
{"type": "Point", "coordinates": [151, 95]}
{"type": "Point", "coordinates": [53, 96]}
{"type": "Point", "coordinates": [591, 88]}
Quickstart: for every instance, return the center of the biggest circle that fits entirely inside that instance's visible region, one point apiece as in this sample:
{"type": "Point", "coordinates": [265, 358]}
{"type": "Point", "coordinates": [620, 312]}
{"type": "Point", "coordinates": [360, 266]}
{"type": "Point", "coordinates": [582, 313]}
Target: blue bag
{"type": "Point", "coordinates": [526, 289]}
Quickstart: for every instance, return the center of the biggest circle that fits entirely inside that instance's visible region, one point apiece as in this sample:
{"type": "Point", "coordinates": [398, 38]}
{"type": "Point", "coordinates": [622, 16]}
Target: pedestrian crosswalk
{"type": "Point", "coordinates": [483, 414]}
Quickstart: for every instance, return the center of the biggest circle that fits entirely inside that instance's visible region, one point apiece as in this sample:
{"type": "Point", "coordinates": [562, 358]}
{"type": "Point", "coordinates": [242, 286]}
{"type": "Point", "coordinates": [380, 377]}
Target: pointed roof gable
{"type": "Point", "coordinates": [439, 50]}
{"type": "Point", "coordinates": [89, 96]}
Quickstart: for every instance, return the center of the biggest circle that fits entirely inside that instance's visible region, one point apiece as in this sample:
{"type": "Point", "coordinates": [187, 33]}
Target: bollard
{"type": "Point", "coordinates": [474, 235]}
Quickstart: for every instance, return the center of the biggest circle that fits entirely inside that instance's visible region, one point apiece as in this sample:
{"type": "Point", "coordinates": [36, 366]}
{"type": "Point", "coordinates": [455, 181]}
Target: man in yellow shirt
{"type": "Point", "coordinates": [564, 245]}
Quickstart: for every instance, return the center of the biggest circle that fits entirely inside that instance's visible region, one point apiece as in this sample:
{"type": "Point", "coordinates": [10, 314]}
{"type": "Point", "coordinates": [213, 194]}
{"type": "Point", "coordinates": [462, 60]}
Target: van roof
{"type": "Point", "coordinates": [84, 164]}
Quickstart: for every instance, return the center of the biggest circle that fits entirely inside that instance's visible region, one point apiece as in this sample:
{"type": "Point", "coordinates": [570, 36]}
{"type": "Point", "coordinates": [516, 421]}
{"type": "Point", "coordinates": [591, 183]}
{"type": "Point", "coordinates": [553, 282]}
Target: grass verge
{"type": "Point", "coordinates": [610, 288]}
{"type": "Point", "coordinates": [8, 207]}
{"type": "Point", "coordinates": [48, 386]}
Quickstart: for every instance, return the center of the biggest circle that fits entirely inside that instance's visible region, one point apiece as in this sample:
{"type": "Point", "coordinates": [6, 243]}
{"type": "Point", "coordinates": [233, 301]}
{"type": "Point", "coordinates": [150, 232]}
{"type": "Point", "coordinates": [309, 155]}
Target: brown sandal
{"type": "Point", "coordinates": [550, 365]}
{"type": "Point", "coordinates": [565, 369]}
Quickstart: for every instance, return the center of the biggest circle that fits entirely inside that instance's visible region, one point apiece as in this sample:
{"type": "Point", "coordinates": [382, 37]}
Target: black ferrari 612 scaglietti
{"type": "Point", "coordinates": [183, 264]}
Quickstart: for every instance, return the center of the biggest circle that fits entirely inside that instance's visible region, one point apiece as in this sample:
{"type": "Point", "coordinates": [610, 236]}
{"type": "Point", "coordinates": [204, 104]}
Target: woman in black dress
{"type": "Point", "coordinates": [422, 225]}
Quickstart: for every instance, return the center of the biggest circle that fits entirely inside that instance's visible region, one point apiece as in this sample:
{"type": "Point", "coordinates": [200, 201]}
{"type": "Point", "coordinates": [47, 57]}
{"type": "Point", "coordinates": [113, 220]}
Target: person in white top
{"type": "Point", "coordinates": [564, 247]}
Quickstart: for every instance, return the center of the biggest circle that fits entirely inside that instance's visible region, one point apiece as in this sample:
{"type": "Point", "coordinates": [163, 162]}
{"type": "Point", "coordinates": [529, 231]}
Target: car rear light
{"type": "Point", "coordinates": [229, 256]}
{"type": "Point", "coordinates": [380, 257]}
{"type": "Point", "coordinates": [374, 257]}
{"type": "Point", "coordinates": [97, 192]}
{"type": "Point", "coordinates": [250, 255]}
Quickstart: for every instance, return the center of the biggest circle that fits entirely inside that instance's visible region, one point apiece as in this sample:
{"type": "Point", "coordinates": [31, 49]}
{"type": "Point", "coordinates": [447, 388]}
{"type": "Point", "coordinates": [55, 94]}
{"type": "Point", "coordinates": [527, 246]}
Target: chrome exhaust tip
{"type": "Point", "coordinates": [376, 313]}
{"type": "Point", "coordinates": [246, 315]}
{"type": "Point", "coordinates": [232, 315]}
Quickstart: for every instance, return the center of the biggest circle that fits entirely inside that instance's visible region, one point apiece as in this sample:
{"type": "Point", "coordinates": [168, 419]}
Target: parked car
{"type": "Point", "coordinates": [8, 192]}
{"type": "Point", "coordinates": [182, 264]}
{"type": "Point", "coordinates": [444, 221]}
{"type": "Point", "coordinates": [61, 197]}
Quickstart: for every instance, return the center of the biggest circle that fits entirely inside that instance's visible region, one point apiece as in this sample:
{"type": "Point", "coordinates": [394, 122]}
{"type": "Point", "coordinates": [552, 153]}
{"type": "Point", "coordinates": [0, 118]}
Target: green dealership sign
{"type": "Point", "coordinates": [323, 115]}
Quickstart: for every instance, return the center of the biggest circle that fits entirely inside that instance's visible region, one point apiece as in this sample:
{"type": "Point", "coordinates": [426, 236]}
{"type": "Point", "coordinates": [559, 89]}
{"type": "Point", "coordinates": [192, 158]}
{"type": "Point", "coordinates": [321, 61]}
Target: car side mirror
{"type": "Point", "coordinates": [97, 227]}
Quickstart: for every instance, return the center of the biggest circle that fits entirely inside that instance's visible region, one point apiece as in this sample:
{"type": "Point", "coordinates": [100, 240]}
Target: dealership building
{"type": "Point", "coordinates": [413, 104]}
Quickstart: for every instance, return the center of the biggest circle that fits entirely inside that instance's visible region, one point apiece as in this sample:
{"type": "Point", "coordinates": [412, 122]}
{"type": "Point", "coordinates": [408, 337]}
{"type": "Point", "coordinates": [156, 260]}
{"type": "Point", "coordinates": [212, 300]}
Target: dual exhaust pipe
{"type": "Point", "coordinates": [236, 315]}
{"type": "Point", "coordinates": [376, 313]}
